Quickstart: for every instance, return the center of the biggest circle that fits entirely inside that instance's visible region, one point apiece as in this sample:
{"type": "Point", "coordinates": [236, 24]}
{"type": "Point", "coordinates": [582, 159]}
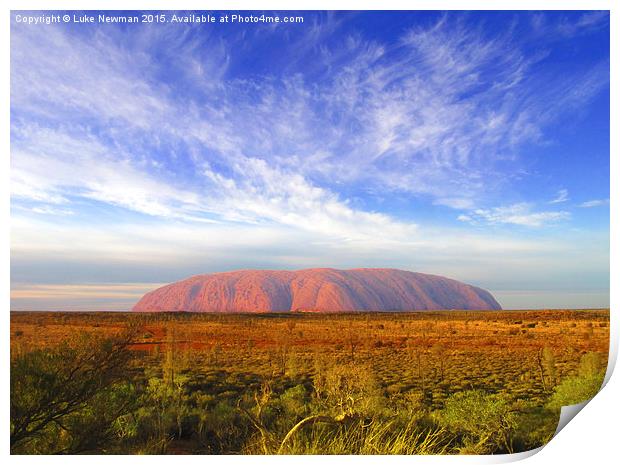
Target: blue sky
{"type": "Point", "coordinates": [473, 145]}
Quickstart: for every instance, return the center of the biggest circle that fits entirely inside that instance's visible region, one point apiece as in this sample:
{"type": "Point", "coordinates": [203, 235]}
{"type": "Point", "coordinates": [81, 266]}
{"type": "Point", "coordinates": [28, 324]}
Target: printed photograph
{"type": "Point", "coordinates": [306, 232]}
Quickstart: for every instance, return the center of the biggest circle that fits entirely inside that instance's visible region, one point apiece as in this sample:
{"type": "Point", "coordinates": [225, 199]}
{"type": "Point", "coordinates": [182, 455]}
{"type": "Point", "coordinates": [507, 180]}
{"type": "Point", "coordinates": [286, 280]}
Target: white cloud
{"type": "Point", "coordinates": [518, 214]}
{"type": "Point", "coordinates": [68, 291]}
{"type": "Point", "coordinates": [52, 166]}
{"type": "Point", "coordinates": [386, 117]}
{"type": "Point", "coordinates": [594, 203]}
{"type": "Point", "coordinates": [46, 210]}
{"type": "Point", "coordinates": [268, 193]}
{"type": "Point", "coordinates": [588, 21]}
{"type": "Point", "coordinates": [258, 192]}
{"type": "Point", "coordinates": [562, 196]}
{"type": "Point", "coordinates": [62, 252]}
{"type": "Point", "coordinates": [205, 248]}
{"type": "Point", "coordinates": [76, 77]}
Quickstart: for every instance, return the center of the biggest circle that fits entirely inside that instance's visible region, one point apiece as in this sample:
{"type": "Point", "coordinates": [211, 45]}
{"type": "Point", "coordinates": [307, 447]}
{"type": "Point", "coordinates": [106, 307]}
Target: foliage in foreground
{"type": "Point", "coordinates": [583, 386]}
{"type": "Point", "coordinates": [483, 422]}
{"type": "Point", "coordinates": [91, 397]}
{"type": "Point", "coordinates": [67, 399]}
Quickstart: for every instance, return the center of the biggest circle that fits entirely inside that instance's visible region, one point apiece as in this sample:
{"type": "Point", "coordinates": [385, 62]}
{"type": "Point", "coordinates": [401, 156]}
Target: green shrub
{"type": "Point", "coordinates": [535, 427]}
{"type": "Point", "coordinates": [347, 389]}
{"type": "Point", "coordinates": [584, 386]}
{"type": "Point", "coordinates": [483, 421]}
{"type": "Point", "coordinates": [67, 399]}
{"type": "Point", "coordinates": [295, 401]}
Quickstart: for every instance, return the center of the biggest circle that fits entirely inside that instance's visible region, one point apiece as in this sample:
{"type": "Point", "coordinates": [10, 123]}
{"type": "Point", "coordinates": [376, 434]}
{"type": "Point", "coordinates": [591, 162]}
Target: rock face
{"type": "Point", "coordinates": [315, 290]}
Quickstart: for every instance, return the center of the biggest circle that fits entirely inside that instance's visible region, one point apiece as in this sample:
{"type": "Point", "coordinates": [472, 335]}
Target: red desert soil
{"type": "Point", "coordinates": [316, 290]}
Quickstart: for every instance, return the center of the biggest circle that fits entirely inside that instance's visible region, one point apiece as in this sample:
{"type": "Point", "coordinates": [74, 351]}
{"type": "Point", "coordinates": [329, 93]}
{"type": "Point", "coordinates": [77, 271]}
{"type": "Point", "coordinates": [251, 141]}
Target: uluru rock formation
{"type": "Point", "coordinates": [316, 290]}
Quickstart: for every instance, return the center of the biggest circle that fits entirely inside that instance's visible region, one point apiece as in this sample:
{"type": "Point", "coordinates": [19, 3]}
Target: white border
{"type": "Point", "coordinates": [592, 437]}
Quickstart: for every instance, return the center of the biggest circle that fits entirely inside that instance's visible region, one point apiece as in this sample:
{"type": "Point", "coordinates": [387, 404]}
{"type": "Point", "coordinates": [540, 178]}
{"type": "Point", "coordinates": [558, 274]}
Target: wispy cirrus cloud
{"type": "Point", "coordinates": [64, 291]}
{"type": "Point", "coordinates": [562, 196]}
{"type": "Point", "coordinates": [564, 28]}
{"type": "Point", "coordinates": [520, 214]}
{"type": "Point", "coordinates": [594, 203]}
{"type": "Point", "coordinates": [83, 167]}
{"type": "Point", "coordinates": [385, 116]}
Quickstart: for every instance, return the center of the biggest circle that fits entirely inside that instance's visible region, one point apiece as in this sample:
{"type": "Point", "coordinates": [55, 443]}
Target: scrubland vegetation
{"type": "Point", "coordinates": [401, 383]}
